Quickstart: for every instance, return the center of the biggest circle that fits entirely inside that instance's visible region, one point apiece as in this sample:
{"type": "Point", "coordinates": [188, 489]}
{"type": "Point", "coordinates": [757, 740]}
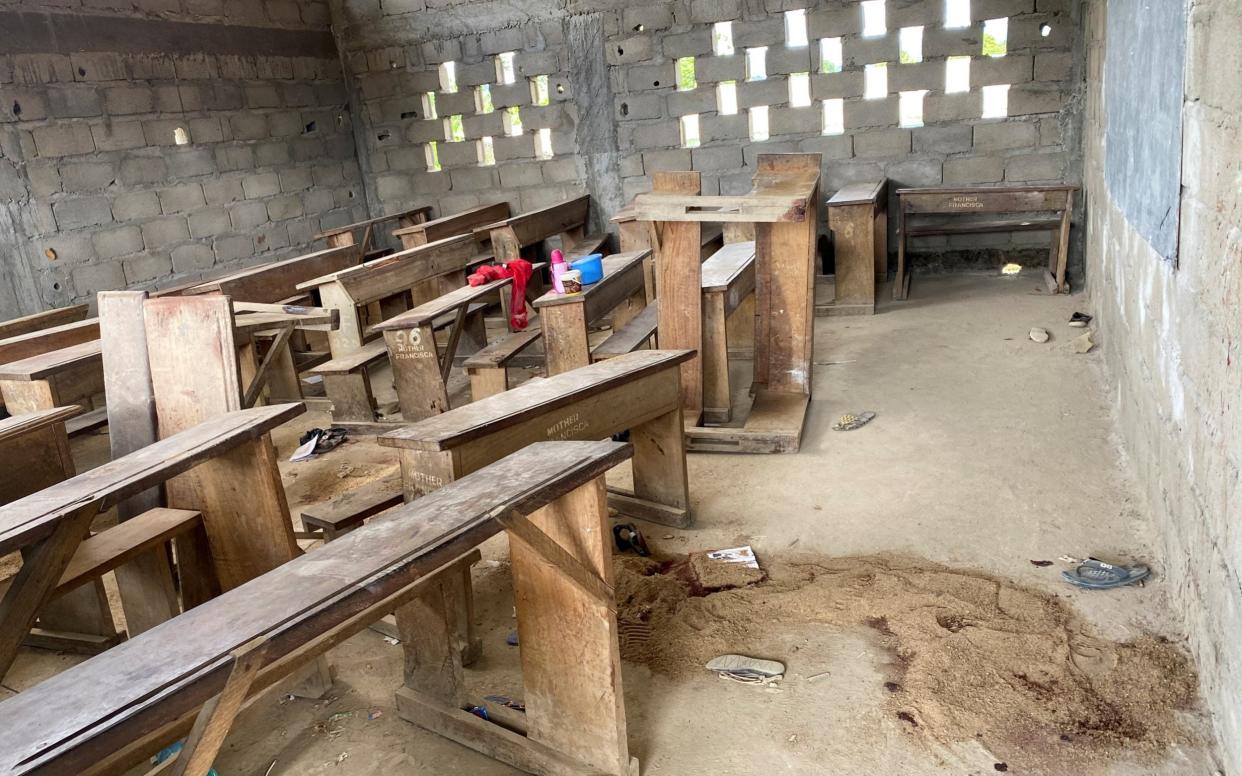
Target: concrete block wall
{"type": "Point", "coordinates": [1170, 337]}
{"type": "Point", "coordinates": [133, 168]}
{"type": "Point", "coordinates": [393, 50]}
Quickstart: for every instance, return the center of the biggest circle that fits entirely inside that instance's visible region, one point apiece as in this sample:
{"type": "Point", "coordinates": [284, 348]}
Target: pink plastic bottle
{"type": "Point", "coordinates": [558, 266]}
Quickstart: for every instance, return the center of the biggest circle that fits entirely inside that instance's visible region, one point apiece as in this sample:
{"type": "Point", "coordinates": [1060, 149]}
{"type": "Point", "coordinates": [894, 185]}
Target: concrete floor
{"type": "Point", "coordinates": [988, 451]}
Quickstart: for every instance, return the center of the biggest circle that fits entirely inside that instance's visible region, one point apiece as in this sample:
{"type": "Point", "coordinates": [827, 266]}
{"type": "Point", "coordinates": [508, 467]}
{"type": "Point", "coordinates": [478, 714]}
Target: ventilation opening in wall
{"type": "Point", "coordinates": [429, 105]}
{"type": "Point", "coordinates": [875, 81]}
{"type": "Point", "coordinates": [995, 37]}
{"type": "Point", "coordinates": [834, 117]}
{"type": "Point", "coordinates": [956, 75]}
{"type": "Point", "coordinates": [795, 28]}
{"type": "Point", "coordinates": [409, 114]}
{"type": "Point", "coordinates": [17, 108]}
{"type": "Point", "coordinates": [448, 77]}
{"type": "Point", "coordinates": [873, 23]}
{"type": "Point", "coordinates": [758, 119]}
{"type": "Point", "coordinates": [799, 90]}
{"type": "Point", "coordinates": [309, 129]}
{"type": "Point", "coordinates": [690, 131]}
{"type": "Point", "coordinates": [506, 73]}
{"type": "Point", "coordinates": [483, 99]}
{"type": "Point", "coordinates": [486, 151]}
{"type": "Point", "coordinates": [722, 39]}
{"type": "Point", "coordinates": [543, 143]}
{"type": "Point", "coordinates": [956, 14]}
{"type": "Point", "coordinates": [432, 152]}
{"type": "Point", "coordinates": [910, 45]}
{"type": "Point", "coordinates": [454, 129]}
{"type": "Point", "coordinates": [757, 63]}
{"type": "Point", "coordinates": [181, 136]}
{"type": "Point", "coordinates": [686, 79]}
{"type": "Point", "coordinates": [995, 101]}
{"type": "Point", "coordinates": [726, 98]}
{"type": "Point", "coordinates": [1045, 30]}
{"type": "Point", "coordinates": [831, 58]}
{"type": "Point", "coordinates": [560, 88]}
{"type": "Point", "coordinates": [910, 108]}
{"type": "Point", "coordinates": [539, 94]}
{"type": "Point", "coordinates": [512, 121]}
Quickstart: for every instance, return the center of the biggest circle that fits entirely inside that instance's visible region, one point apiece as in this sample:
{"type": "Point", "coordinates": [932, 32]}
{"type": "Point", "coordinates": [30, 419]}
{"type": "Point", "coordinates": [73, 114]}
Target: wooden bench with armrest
{"type": "Point", "coordinates": [858, 220]}
{"type": "Point", "coordinates": [342, 236]}
{"type": "Point", "coordinates": [112, 712]}
{"type": "Point", "coordinates": [451, 226]}
{"type": "Point", "coordinates": [982, 209]}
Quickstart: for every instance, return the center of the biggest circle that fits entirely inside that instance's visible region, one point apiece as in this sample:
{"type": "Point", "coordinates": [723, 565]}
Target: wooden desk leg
{"type": "Point", "coordinates": [716, 392]}
{"type": "Point", "coordinates": [853, 241]}
{"type": "Point", "coordinates": [21, 396]}
{"type": "Point", "coordinates": [487, 381]}
{"type": "Point", "coordinates": [901, 282]}
{"type": "Point", "coordinates": [347, 338]}
{"type": "Point", "coordinates": [660, 479]}
{"type": "Point", "coordinates": [416, 372]}
{"type": "Point", "coordinates": [37, 578]}
{"type": "Point", "coordinates": [1062, 244]}
{"type": "Point", "coordinates": [565, 337]}
{"type": "Point", "coordinates": [679, 279]}
{"type": "Point", "coordinates": [571, 663]}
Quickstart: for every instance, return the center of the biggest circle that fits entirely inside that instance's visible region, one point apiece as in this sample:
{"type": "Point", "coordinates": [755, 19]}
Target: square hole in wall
{"type": "Point", "coordinates": [795, 28]}
{"type": "Point", "coordinates": [486, 151]}
{"type": "Point", "coordinates": [956, 75]}
{"type": "Point", "coordinates": [539, 93]}
{"type": "Point", "coordinates": [429, 105]}
{"type": "Point", "coordinates": [799, 90]}
{"type": "Point", "coordinates": [726, 98]}
{"type": "Point", "coordinates": [757, 117]}
{"type": "Point", "coordinates": [512, 121]}
{"type": "Point", "coordinates": [831, 58]}
{"type": "Point", "coordinates": [686, 80]}
{"type": "Point", "coordinates": [956, 14]}
{"type": "Point", "coordinates": [910, 45]}
{"type": "Point", "coordinates": [834, 117]}
{"type": "Point", "coordinates": [910, 108]}
{"type": "Point", "coordinates": [543, 143]}
{"type": "Point", "coordinates": [483, 99]}
{"type": "Point", "coordinates": [506, 71]}
{"type": "Point", "coordinates": [432, 152]}
{"type": "Point", "coordinates": [454, 130]}
{"type": "Point", "coordinates": [448, 77]}
{"type": "Point", "coordinates": [875, 81]}
{"type": "Point", "coordinates": [873, 22]}
{"type": "Point", "coordinates": [690, 131]}
{"type": "Point", "coordinates": [722, 39]}
{"type": "Point", "coordinates": [995, 37]}
{"type": "Point", "coordinates": [995, 101]}
{"type": "Point", "coordinates": [757, 63]}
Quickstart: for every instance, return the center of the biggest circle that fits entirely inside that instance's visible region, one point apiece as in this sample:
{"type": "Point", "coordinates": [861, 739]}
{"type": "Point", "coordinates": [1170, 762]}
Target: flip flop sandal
{"type": "Point", "coordinates": [1095, 574]}
{"type": "Point", "coordinates": [627, 537]}
{"type": "Point", "coordinates": [851, 421]}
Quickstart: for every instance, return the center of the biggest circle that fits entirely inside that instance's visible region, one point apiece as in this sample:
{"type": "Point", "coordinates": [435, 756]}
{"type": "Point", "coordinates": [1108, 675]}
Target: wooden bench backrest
{"type": "Point", "coordinates": [45, 340]}
{"type": "Point", "coordinates": [451, 226]}
{"type": "Point", "coordinates": [271, 283]}
{"type": "Point", "coordinates": [396, 272]}
{"type": "Point", "coordinates": [17, 426]}
{"type": "Point", "coordinates": [413, 214]}
{"type": "Point", "coordinates": [79, 717]}
{"type": "Point", "coordinates": [33, 518]}
{"type": "Point", "coordinates": [1016, 199]}
{"type": "Point", "coordinates": [539, 225]}
{"type": "Point", "coordinates": [623, 275]}
{"type": "Point", "coordinates": [52, 362]}
{"type": "Point", "coordinates": [44, 320]}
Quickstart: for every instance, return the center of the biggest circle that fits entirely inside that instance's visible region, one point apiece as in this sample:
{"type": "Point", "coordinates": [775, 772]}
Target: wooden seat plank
{"type": "Point", "coordinates": [444, 304]}
{"type": "Point", "coordinates": [630, 337]}
{"type": "Point", "coordinates": [726, 266]}
{"type": "Point", "coordinates": [107, 550]}
{"type": "Point", "coordinates": [72, 722]}
{"type": "Point", "coordinates": [47, 364]}
{"type": "Point", "coordinates": [43, 320]}
{"type": "Point", "coordinates": [371, 353]}
{"type": "Point", "coordinates": [448, 226]}
{"type": "Point", "coordinates": [501, 351]}
{"type": "Point", "coordinates": [349, 511]}
{"type": "Point", "coordinates": [24, 346]}
{"type": "Point", "coordinates": [16, 426]}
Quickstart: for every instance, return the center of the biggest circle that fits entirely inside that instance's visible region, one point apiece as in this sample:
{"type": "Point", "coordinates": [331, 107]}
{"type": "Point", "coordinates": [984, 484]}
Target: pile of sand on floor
{"type": "Point", "coordinates": [976, 657]}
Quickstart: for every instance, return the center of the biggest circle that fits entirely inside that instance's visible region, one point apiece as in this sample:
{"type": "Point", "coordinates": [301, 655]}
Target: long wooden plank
{"type": "Point", "coordinates": [419, 213]}
{"type": "Point", "coordinates": [618, 283]}
{"type": "Point", "coordinates": [53, 362]}
{"type": "Point", "coordinates": [537, 225]}
{"type": "Point", "coordinates": [726, 265]}
{"type": "Point", "coordinates": [45, 340]}
{"type": "Point", "coordinates": [124, 542]}
{"type": "Point", "coordinates": [78, 716]}
{"type": "Point", "coordinates": [279, 280]}
{"type": "Point", "coordinates": [397, 272]}
{"type": "Point", "coordinates": [16, 426]}
{"type": "Point", "coordinates": [983, 200]}
{"type": "Point", "coordinates": [449, 226]}
{"type": "Point", "coordinates": [43, 320]}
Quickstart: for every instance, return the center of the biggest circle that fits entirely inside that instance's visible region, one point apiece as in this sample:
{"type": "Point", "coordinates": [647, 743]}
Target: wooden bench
{"type": "Point", "coordinates": [566, 220]}
{"type": "Point", "coordinates": [36, 343]}
{"type": "Point", "coordinates": [43, 320]}
{"type": "Point", "coordinates": [113, 711]}
{"type": "Point", "coordinates": [858, 220]}
{"type": "Point", "coordinates": [339, 516]}
{"type": "Point", "coordinates": [50, 525]}
{"type": "Point", "coordinates": [71, 375]}
{"type": "Point", "coordinates": [982, 209]}
{"type": "Point", "coordinates": [635, 235]}
{"type": "Point", "coordinates": [566, 318]}
{"type": "Point", "coordinates": [451, 226]}
{"type": "Point", "coordinates": [342, 236]}
{"type": "Point", "coordinates": [276, 282]}
{"type": "Point", "coordinates": [488, 368]}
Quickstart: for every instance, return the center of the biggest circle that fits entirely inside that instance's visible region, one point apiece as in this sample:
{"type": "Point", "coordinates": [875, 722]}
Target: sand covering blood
{"type": "Point", "coordinates": [975, 657]}
{"type": "Point", "coordinates": [323, 483]}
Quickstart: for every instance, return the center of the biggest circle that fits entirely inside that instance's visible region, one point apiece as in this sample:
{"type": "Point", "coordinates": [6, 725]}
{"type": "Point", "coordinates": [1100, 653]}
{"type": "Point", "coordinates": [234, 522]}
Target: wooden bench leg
{"type": "Point", "coordinates": [717, 396]}
{"type": "Point", "coordinates": [421, 391]}
{"type": "Point", "coordinates": [21, 397]}
{"type": "Point", "coordinates": [661, 484]}
{"type": "Point", "coordinates": [565, 337]}
{"type": "Point", "coordinates": [351, 396]}
{"type": "Point", "coordinates": [347, 337]}
{"type": "Point", "coordinates": [486, 382]}
{"type": "Point", "coordinates": [217, 715]}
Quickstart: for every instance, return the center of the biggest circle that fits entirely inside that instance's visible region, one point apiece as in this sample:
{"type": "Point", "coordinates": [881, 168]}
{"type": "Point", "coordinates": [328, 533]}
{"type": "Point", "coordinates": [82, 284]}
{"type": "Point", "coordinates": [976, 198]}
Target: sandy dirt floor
{"type": "Point", "coordinates": [989, 451]}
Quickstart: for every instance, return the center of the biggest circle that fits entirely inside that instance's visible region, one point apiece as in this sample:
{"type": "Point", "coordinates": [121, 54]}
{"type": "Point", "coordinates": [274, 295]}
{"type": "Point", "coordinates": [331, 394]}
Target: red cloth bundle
{"type": "Point", "coordinates": [518, 269]}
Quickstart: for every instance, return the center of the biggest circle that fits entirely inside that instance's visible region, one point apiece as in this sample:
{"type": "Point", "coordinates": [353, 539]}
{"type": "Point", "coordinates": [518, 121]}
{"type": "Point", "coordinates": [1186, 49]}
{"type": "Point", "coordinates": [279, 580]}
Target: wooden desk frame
{"type": "Point", "coordinates": [858, 220]}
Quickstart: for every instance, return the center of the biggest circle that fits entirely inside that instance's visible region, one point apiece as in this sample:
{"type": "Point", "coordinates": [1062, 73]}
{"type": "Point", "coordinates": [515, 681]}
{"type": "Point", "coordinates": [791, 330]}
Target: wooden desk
{"type": "Point", "coordinates": [858, 219]}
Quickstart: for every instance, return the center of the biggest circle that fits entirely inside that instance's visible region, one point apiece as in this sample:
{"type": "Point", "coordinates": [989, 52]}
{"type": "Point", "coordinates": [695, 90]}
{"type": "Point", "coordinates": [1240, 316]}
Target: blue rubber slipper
{"type": "Point", "coordinates": [1093, 574]}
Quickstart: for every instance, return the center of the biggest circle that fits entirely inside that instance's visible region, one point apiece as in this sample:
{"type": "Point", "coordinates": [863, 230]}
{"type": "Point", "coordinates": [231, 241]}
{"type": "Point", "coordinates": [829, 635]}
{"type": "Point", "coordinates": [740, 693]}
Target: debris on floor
{"type": "Point", "coordinates": [629, 539]}
{"type": "Point", "coordinates": [317, 441]}
{"type": "Point", "coordinates": [851, 421]}
{"type": "Point", "coordinates": [725, 569]}
{"type": "Point", "coordinates": [1079, 320]}
{"type": "Point", "coordinates": [1082, 343]}
{"type": "Point", "coordinates": [1039, 335]}
{"type": "Point", "coordinates": [1095, 574]}
{"type": "Point", "coordinates": [747, 670]}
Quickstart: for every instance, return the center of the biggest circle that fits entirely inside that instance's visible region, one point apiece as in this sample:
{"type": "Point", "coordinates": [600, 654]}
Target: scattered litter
{"type": "Point", "coordinates": [345, 470]}
{"type": "Point", "coordinates": [480, 712]}
{"type": "Point", "coordinates": [1079, 320]}
{"type": "Point", "coordinates": [374, 714]}
{"type": "Point", "coordinates": [851, 421]}
{"type": "Point", "coordinates": [747, 670]}
{"type": "Point", "coordinates": [170, 751]}
{"type": "Point", "coordinates": [1041, 563]}
{"type": "Point", "coordinates": [506, 701]}
{"type": "Point", "coordinates": [391, 641]}
{"type": "Point", "coordinates": [1095, 574]}
{"type": "Point", "coordinates": [268, 772]}
{"type": "Point", "coordinates": [488, 564]}
{"type": "Point", "coordinates": [743, 555]}
{"type": "Point", "coordinates": [1082, 343]}
{"type": "Point", "coordinates": [316, 441]}
{"type": "Point", "coordinates": [628, 537]}
{"type": "Point", "coordinates": [821, 675]}
{"type": "Point", "coordinates": [340, 715]}
{"type": "Point", "coordinates": [1039, 335]}
{"type": "Point", "coordinates": [669, 536]}
{"type": "Point", "coordinates": [305, 452]}
{"type": "Point", "coordinates": [342, 757]}
{"type": "Point", "coordinates": [1011, 269]}
{"type": "Point", "coordinates": [512, 639]}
